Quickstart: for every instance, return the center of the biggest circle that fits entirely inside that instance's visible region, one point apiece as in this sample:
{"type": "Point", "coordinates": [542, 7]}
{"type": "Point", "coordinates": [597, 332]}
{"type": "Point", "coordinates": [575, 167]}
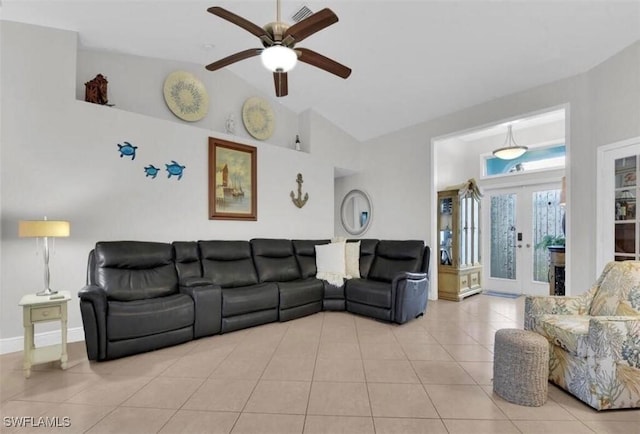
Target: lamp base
{"type": "Point", "coordinates": [46, 292]}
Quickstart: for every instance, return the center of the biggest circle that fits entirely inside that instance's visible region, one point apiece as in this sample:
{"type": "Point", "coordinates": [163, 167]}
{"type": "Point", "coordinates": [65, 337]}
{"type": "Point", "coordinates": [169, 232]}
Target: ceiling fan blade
{"type": "Point", "coordinates": [241, 22]}
{"type": "Point", "coordinates": [322, 62]}
{"type": "Point", "coordinates": [309, 26]}
{"type": "Point", "coordinates": [241, 55]}
{"type": "Point", "coordinates": [281, 82]}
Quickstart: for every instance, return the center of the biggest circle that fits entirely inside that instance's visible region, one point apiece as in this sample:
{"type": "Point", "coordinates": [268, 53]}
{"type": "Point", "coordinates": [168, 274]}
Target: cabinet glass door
{"type": "Point", "coordinates": [625, 215]}
{"type": "Point", "coordinates": [617, 223]}
{"type": "Point", "coordinates": [469, 237]}
{"type": "Point", "coordinates": [445, 237]}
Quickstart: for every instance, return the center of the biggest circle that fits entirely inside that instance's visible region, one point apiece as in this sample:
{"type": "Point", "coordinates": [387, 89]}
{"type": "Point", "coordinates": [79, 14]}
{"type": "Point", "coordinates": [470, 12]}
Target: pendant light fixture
{"type": "Point", "coordinates": [510, 149]}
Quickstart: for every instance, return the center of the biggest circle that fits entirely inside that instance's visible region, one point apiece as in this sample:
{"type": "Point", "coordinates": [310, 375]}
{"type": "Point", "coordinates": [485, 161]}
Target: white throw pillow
{"type": "Point", "coordinates": [330, 263]}
{"type": "Point", "coordinates": [330, 258]}
{"type": "Point", "coordinates": [352, 258]}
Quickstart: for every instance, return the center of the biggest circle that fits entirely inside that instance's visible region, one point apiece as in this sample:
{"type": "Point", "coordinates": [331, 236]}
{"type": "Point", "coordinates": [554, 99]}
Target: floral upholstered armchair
{"type": "Point", "coordinates": [594, 339]}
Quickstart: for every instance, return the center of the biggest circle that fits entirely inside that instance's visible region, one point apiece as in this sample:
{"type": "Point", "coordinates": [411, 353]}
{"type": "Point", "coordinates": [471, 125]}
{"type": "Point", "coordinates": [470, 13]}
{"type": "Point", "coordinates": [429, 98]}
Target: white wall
{"type": "Point", "coordinates": [457, 161]}
{"type": "Point", "coordinates": [59, 158]}
{"type": "Point", "coordinates": [395, 176]}
{"type": "Point", "coordinates": [603, 107]}
{"type": "Point", "coordinates": [331, 144]}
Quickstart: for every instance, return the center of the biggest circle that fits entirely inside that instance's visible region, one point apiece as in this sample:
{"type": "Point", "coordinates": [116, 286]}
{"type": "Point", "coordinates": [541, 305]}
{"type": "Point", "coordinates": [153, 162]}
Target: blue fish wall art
{"type": "Point", "coordinates": [175, 169]}
{"type": "Point", "coordinates": [127, 150]}
{"type": "Point", "coordinates": [151, 171]}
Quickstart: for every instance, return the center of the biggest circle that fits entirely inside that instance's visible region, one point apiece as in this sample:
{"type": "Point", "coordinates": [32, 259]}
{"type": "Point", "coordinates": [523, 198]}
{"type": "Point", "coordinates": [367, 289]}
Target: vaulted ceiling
{"type": "Point", "coordinates": [412, 60]}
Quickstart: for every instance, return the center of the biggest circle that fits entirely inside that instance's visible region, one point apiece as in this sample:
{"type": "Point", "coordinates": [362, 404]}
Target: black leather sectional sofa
{"type": "Point", "coordinates": [142, 296]}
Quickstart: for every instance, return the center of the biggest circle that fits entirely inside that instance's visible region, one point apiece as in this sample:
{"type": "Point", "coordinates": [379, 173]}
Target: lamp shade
{"type": "Point", "coordinates": [626, 195]}
{"type": "Point", "coordinates": [510, 149]}
{"type": "Point", "coordinates": [43, 228]}
{"type": "Point", "coordinates": [278, 58]}
{"type": "Point", "coordinates": [510, 152]}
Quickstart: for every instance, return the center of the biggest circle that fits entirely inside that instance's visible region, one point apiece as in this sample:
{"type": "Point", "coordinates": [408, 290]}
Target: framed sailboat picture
{"type": "Point", "coordinates": [232, 181]}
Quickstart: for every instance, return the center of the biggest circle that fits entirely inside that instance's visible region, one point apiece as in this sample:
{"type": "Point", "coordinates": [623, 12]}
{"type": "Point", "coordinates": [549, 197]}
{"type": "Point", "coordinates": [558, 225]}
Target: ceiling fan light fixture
{"type": "Point", "coordinates": [278, 58]}
{"type": "Point", "coordinates": [511, 149]}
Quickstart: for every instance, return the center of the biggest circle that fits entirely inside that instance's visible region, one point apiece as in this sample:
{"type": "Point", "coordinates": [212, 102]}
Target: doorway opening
{"type": "Point", "coordinates": [521, 210]}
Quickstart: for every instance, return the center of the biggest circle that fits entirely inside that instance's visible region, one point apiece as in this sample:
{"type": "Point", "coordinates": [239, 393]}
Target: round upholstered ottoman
{"type": "Point", "coordinates": [521, 367]}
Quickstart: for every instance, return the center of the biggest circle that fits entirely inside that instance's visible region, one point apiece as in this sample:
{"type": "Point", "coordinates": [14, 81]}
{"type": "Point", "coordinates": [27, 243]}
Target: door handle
{"type": "Point", "coordinates": [528, 245]}
{"type": "Point", "coordinates": [519, 246]}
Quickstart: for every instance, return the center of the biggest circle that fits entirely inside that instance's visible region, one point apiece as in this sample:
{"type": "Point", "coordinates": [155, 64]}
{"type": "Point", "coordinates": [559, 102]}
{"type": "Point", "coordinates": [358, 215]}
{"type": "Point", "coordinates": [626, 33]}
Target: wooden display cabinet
{"type": "Point", "coordinates": [459, 267]}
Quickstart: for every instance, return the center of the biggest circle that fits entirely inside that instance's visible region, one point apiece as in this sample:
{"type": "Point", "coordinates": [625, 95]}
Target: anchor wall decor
{"type": "Point", "coordinates": [299, 201]}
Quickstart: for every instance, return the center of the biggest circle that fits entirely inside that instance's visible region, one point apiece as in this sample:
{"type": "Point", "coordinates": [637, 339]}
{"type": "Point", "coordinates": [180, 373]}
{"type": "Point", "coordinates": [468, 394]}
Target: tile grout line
{"type": "Point", "coordinates": [262, 373]}
{"type": "Point", "coordinates": [313, 373]}
{"type": "Point", "coordinates": [420, 380]}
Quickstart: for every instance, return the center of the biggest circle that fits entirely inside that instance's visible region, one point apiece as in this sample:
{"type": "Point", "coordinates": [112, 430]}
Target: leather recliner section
{"type": "Point", "coordinates": [395, 287]}
{"type": "Point", "coordinates": [135, 270]}
{"type": "Point", "coordinates": [276, 262]}
{"type": "Point", "coordinates": [141, 296]}
{"type": "Point", "coordinates": [237, 301]}
{"type": "Point", "coordinates": [133, 319]}
{"type": "Point", "coordinates": [245, 301]}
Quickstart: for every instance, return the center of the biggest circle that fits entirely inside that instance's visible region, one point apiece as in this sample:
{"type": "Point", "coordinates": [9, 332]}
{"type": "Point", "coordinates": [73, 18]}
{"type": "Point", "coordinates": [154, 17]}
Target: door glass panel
{"type": "Point", "coordinates": [503, 236]}
{"type": "Point", "coordinates": [547, 221]}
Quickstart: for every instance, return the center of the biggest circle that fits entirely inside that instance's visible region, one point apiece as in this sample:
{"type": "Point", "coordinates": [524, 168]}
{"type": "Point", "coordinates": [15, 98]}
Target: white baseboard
{"type": "Point", "coordinates": [11, 345]}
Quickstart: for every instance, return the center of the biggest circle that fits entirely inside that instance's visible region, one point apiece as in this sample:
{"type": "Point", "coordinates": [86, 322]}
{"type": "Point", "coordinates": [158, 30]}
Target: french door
{"type": "Point", "coordinates": [515, 221]}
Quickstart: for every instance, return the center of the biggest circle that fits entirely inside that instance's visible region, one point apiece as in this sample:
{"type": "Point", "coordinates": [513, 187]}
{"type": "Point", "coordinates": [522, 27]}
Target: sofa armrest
{"type": "Point", "coordinates": [613, 360]}
{"type": "Point", "coordinates": [536, 306]}
{"type": "Point", "coordinates": [615, 337]}
{"type": "Point", "coordinates": [207, 301]}
{"type": "Point", "coordinates": [410, 276]}
{"type": "Point", "coordinates": [93, 307]}
{"type": "Point", "coordinates": [409, 295]}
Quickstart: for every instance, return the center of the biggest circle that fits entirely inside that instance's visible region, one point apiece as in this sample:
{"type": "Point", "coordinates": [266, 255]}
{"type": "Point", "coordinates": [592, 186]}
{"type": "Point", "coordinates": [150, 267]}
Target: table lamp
{"type": "Point", "coordinates": [44, 229]}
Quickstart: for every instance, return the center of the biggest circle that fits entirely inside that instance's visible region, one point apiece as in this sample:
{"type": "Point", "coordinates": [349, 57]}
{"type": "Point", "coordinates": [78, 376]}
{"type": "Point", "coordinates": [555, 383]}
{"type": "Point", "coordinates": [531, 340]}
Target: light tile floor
{"type": "Point", "coordinates": [332, 372]}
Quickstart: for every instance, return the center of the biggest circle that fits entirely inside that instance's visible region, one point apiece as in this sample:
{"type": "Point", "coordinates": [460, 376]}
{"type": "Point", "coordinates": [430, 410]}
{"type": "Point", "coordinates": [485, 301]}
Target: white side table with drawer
{"type": "Point", "coordinates": [38, 309]}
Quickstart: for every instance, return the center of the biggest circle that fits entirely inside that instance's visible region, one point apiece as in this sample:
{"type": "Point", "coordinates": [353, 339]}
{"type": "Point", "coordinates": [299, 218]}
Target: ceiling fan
{"type": "Point", "coordinates": [279, 40]}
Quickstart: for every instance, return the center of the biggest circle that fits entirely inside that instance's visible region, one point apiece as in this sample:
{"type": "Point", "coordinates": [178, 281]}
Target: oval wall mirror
{"type": "Point", "coordinates": [356, 212]}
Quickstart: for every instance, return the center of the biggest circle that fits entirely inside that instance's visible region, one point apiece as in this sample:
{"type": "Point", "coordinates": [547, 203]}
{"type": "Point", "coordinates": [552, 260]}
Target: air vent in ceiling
{"type": "Point", "coordinates": [301, 14]}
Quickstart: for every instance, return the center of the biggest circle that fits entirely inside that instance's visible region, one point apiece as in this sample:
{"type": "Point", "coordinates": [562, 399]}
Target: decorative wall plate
{"type": "Point", "coordinates": [258, 118]}
{"type": "Point", "coordinates": [186, 96]}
